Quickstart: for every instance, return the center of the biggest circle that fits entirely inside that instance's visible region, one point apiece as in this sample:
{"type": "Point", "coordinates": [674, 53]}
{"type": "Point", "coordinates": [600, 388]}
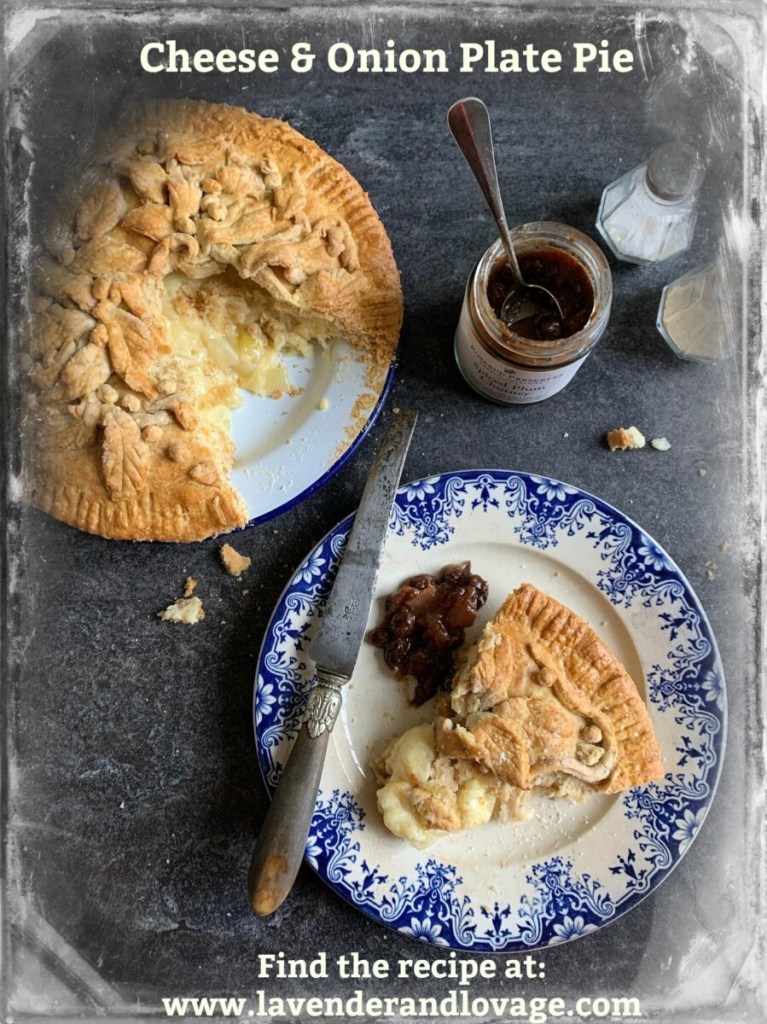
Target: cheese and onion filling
{"type": "Point", "coordinates": [423, 796]}
{"type": "Point", "coordinates": [226, 334]}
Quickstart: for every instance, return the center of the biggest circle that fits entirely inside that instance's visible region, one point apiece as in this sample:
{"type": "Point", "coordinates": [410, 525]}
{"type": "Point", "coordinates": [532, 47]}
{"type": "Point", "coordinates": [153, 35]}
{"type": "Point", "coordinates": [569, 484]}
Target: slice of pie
{"type": "Point", "coordinates": [539, 702]}
{"type": "Point", "coordinates": [203, 244]}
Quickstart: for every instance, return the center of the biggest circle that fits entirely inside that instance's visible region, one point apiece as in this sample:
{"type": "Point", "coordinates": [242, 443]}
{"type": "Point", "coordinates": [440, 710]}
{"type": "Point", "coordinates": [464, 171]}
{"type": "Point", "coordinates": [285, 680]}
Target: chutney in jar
{"type": "Point", "coordinates": [559, 273]}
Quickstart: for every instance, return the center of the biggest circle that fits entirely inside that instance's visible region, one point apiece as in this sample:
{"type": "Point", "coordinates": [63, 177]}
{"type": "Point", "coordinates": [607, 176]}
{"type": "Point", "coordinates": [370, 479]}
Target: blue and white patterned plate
{"type": "Point", "coordinates": [572, 868]}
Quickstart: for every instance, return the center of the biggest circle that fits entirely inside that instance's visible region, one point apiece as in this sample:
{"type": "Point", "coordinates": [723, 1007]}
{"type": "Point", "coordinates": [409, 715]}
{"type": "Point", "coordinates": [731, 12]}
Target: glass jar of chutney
{"type": "Point", "coordinates": [530, 361]}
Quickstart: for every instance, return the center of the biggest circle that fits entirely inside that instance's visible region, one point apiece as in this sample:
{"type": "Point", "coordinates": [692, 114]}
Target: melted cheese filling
{"type": "Point", "coordinates": [409, 768]}
{"type": "Point", "coordinates": [212, 323]}
{"type": "Point", "coordinates": [226, 334]}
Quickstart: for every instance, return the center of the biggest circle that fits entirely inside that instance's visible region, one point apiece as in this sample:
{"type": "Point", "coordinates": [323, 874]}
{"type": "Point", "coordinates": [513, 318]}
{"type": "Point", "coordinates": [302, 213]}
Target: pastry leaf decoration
{"type": "Point", "coordinates": [125, 454]}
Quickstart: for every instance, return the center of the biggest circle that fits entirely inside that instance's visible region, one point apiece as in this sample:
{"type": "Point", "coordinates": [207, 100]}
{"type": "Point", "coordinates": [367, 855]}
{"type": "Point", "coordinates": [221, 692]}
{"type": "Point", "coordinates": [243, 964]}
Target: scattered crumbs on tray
{"type": "Point", "coordinates": [710, 568]}
{"type": "Point", "coordinates": [190, 585]}
{"type": "Point", "coordinates": [187, 610]}
{"type": "Point", "coordinates": [234, 563]}
{"type": "Point", "coordinates": [625, 439]}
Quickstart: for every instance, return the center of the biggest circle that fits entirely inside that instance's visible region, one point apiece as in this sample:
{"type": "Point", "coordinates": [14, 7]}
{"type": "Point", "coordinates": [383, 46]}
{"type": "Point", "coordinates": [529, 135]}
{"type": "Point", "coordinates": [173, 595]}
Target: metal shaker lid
{"type": "Point", "coordinates": [675, 170]}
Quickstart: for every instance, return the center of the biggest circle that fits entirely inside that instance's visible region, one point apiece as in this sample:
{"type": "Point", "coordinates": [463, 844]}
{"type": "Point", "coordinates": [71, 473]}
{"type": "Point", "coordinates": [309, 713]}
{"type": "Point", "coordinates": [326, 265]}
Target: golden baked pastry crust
{"type": "Point", "coordinates": [541, 697]}
{"type": "Point", "coordinates": [120, 442]}
{"type": "Point", "coordinates": [539, 702]}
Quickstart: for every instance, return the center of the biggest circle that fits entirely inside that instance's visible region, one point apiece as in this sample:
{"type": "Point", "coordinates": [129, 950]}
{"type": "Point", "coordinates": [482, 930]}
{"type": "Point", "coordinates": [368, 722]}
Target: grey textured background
{"type": "Point", "coordinates": [132, 792]}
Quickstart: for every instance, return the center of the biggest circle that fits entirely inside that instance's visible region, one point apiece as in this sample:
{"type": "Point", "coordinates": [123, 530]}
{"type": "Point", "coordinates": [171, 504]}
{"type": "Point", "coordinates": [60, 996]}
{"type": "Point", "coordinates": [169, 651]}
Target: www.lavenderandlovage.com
{"type": "Point", "coordinates": [455, 1003]}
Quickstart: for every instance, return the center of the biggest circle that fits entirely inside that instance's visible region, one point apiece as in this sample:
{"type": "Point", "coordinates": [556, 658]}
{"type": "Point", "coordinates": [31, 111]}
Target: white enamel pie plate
{"type": "Point", "coordinates": [286, 447]}
{"type": "Point", "coordinates": [572, 868]}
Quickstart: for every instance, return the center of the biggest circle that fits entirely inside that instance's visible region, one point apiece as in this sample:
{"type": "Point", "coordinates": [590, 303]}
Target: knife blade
{"type": "Point", "coordinates": [334, 649]}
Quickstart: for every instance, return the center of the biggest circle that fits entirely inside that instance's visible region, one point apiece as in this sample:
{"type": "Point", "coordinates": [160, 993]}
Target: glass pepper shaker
{"type": "Point", "coordinates": [649, 213]}
{"type": "Point", "coordinates": [697, 312]}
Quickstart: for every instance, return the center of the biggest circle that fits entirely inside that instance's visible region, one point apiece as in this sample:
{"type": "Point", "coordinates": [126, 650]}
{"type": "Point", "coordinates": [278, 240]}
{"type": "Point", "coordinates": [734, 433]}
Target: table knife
{"type": "Point", "coordinates": [334, 649]}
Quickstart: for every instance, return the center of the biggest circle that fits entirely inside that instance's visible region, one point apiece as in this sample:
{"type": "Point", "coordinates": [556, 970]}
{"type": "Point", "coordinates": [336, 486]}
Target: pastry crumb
{"type": "Point", "coordinates": [701, 472]}
{"type": "Point", "coordinates": [323, 404]}
{"type": "Point", "coordinates": [623, 438]}
{"type": "Point", "coordinates": [188, 610]}
{"type": "Point", "coordinates": [190, 585]}
{"type": "Point", "coordinates": [660, 444]}
{"type": "Point", "coordinates": [725, 546]}
{"type": "Point", "coordinates": [710, 569]}
{"type": "Point", "coordinates": [234, 563]}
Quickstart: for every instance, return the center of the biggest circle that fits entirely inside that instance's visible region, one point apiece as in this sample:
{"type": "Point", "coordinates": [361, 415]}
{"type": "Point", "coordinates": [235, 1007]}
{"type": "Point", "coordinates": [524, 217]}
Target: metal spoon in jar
{"type": "Point", "coordinates": [469, 122]}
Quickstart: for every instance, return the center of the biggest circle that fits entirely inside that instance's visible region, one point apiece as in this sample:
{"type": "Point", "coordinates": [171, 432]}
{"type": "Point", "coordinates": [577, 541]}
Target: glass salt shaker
{"type": "Point", "coordinates": [649, 213]}
{"type": "Point", "coordinates": [697, 313]}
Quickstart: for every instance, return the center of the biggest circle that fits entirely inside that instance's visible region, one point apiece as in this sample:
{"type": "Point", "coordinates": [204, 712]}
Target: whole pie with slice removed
{"type": "Point", "coordinates": [538, 702]}
{"type": "Point", "coordinates": [202, 244]}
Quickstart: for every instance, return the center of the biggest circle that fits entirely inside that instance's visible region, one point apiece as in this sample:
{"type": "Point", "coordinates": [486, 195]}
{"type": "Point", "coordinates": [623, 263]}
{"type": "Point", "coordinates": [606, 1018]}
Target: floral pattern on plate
{"type": "Point", "coordinates": [589, 878]}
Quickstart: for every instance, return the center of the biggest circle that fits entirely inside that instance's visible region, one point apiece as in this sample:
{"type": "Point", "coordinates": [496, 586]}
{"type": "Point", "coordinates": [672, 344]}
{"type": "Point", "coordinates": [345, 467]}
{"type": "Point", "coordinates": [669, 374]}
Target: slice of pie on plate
{"type": "Point", "coordinates": [204, 242]}
{"type": "Point", "coordinates": [538, 702]}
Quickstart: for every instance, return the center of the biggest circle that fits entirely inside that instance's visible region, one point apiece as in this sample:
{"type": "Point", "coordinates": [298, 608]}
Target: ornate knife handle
{"type": "Point", "coordinates": [324, 703]}
{"type": "Point", "coordinates": [280, 848]}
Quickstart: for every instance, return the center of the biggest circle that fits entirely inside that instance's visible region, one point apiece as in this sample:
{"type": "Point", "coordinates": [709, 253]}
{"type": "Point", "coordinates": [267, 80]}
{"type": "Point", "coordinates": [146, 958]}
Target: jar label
{"type": "Point", "coordinates": [502, 381]}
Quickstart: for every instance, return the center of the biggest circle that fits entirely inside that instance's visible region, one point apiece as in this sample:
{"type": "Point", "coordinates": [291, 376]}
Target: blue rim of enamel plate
{"type": "Point", "coordinates": [685, 690]}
